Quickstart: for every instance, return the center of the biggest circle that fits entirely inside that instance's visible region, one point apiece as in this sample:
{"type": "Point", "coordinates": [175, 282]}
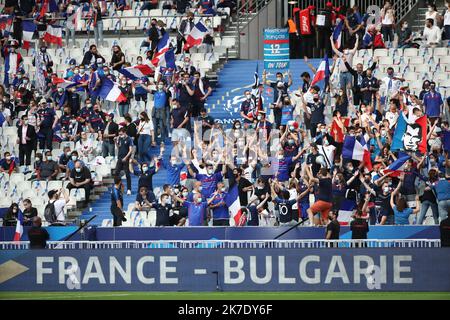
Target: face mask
{"type": "Point", "coordinates": [8, 158]}
{"type": "Point", "coordinates": [323, 131]}
{"type": "Point", "coordinates": [210, 172]}
{"type": "Point", "coordinates": [248, 96]}
{"type": "Point", "coordinates": [74, 158]}
{"type": "Point", "coordinates": [139, 62]}
{"type": "Point", "coordinates": [144, 169]}
{"type": "Point", "coordinates": [25, 122]}
{"type": "Point", "coordinates": [76, 71]}
{"type": "Point", "coordinates": [386, 189]}
{"type": "Point", "coordinates": [82, 71]}
{"type": "Point", "coordinates": [160, 86]}
{"type": "Point", "coordinates": [349, 169]}
{"type": "Point", "coordinates": [78, 169]}
{"type": "Point", "coordinates": [68, 154]}
{"type": "Point", "coordinates": [19, 76]}
{"type": "Point", "coordinates": [279, 79]}
{"type": "Point", "coordinates": [199, 200]}
{"type": "Point", "coordinates": [88, 105]}
{"type": "Point", "coordinates": [238, 126]}
{"type": "Point", "coordinates": [291, 142]}
{"type": "Point", "coordinates": [38, 159]}
{"type": "Point", "coordinates": [280, 156]}
{"type": "Point", "coordinates": [259, 118]}
{"type": "Point", "coordinates": [383, 133]}
{"type": "Point", "coordinates": [430, 9]}
{"type": "Point", "coordinates": [106, 73]}
{"type": "Point", "coordinates": [167, 201]}
{"type": "Point", "coordinates": [173, 162]}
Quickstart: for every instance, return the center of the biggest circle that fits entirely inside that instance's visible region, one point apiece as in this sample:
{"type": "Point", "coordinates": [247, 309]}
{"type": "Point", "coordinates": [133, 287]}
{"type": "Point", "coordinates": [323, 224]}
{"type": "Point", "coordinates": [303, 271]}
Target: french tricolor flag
{"type": "Point", "coordinates": [397, 167]}
{"type": "Point", "coordinates": [233, 203]}
{"type": "Point", "coordinates": [28, 27]}
{"type": "Point", "coordinates": [110, 91]}
{"type": "Point", "coordinates": [53, 35]}
{"type": "Point", "coordinates": [323, 72]}
{"type": "Point", "coordinates": [355, 148]}
{"type": "Point", "coordinates": [196, 36]}
{"type": "Point", "coordinates": [62, 83]}
{"type": "Point", "coordinates": [337, 32]}
{"type": "Point", "coordinates": [19, 227]}
{"type": "Point", "coordinates": [136, 72]}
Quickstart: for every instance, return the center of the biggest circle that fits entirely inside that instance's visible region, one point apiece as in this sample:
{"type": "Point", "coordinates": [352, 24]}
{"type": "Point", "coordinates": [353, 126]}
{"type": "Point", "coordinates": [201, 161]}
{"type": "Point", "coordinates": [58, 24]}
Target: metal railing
{"type": "Point", "coordinates": [230, 244]}
{"type": "Point", "coordinates": [401, 7]}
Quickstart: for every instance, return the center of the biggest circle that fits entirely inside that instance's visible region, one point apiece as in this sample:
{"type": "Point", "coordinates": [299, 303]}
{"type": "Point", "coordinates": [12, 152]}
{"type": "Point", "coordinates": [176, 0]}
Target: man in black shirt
{"type": "Point", "coordinates": [358, 75]}
{"type": "Point", "coordinates": [125, 149]}
{"type": "Point", "coordinates": [444, 228]}
{"type": "Point", "coordinates": [333, 228]}
{"type": "Point", "coordinates": [243, 186]}
{"type": "Point", "coordinates": [37, 235]}
{"type": "Point", "coordinates": [359, 227]}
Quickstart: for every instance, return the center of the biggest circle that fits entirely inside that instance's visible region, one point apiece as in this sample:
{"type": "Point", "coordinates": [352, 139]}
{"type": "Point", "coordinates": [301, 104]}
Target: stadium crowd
{"type": "Point", "coordinates": [360, 145]}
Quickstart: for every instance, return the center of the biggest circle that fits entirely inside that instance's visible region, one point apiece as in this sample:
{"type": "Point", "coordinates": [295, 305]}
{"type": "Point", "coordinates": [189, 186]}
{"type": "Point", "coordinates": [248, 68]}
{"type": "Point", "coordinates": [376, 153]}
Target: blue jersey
{"type": "Point", "coordinates": [196, 213]}
{"type": "Point", "coordinates": [220, 212]}
{"type": "Point", "coordinates": [173, 172]}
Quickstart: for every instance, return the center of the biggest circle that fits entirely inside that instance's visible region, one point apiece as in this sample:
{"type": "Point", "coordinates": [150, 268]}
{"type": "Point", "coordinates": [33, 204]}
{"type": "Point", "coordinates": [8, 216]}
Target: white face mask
{"type": "Point", "coordinates": [280, 156]}
{"type": "Point", "coordinates": [210, 172]}
{"type": "Point", "coordinates": [185, 194]}
{"type": "Point", "coordinates": [249, 96]}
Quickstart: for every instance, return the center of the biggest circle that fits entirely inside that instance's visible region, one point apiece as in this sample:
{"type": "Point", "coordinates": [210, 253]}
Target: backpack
{"type": "Point", "coordinates": [49, 213]}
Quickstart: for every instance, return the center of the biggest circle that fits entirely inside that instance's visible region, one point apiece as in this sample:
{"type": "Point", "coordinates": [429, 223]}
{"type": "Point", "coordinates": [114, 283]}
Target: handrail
{"type": "Point", "coordinates": [231, 244]}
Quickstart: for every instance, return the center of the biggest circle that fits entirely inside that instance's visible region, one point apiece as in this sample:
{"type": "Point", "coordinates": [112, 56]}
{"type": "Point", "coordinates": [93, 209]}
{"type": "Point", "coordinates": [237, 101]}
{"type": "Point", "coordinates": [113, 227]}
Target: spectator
{"type": "Point", "coordinates": [446, 15]}
{"type": "Point", "coordinates": [117, 59]}
{"type": "Point", "coordinates": [26, 140]}
{"type": "Point", "coordinates": [333, 228]}
{"type": "Point", "coordinates": [109, 134]}
{"type": "Point", "coordinates": [92, 56]}
{"type": "Point", "coordinates": [125, 149]}
{"type": "Point", "coordinates": [117, 202]}
{"type": "Point", "coordinates": [145, 199]}
{"type": "Point", "coordinates": [431, 34]}
{"type": "Point", "coordinates": [432, 102]}
{"type": "Point", "coordinates": [161, 98]}
{"type": "Point", "coordinates": [29, 212]}
{"type": "Point", "coordinates": [47, 121]}
{"type": "Point", "coordinates": [405, 37]}
{"type": "Point", "coordinates": [37, 235]}
{"type": "Point", "coordinates": [58, 199]}
{"type": "Point", "coordinates": [442, 190]}
{"type": "Point", "coordinates": [11, 215]}
{"type": "Point", "coordinates": [401, 210]}
{"type": "Point", "coordinates": [201, 91]}
{"type": "Point", "coordinates": [97, 22]}
{"type": "Point", "coordinates": [124, 106]}
{"type": "Point", "coordinates": [432, 14]}
{"type": "Point", "coordinates": [146, 135]}
{"type": "Point", "coordinates": [388, 23]}
{"type": "Point", "coordinates": [48, 169]}
{"type": "Point", "coordinates": [184, 30]}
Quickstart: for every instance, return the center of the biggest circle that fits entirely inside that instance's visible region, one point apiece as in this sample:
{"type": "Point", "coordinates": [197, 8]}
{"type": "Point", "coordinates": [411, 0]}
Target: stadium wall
{"type": "Point", "coordinates": [328, 269]}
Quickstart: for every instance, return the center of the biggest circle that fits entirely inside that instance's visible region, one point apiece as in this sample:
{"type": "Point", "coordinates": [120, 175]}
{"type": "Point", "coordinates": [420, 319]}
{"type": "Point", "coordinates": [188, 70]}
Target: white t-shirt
{"type": "Point", "coordinates": [395, 86]}
{"type": "Point", "coordinates": [328, 153]}
{"type": "Point", "coordinates": [292, 196]}
{"type": "Point", "coordinates": [388, 17]}
{"type": "Point", "coordinates": [432, 35]}
{"type": "Point", "coordinates": [59, 209]}
{"type": "Point", "coordinates": [447, 18]}
{"type": "Point", "coordinates": [145, 127]}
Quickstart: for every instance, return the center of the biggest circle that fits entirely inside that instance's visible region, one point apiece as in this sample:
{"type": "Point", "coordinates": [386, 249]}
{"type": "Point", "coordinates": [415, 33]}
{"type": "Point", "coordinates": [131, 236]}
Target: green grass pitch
{"type": "Point", "coordinates": [122, 295]}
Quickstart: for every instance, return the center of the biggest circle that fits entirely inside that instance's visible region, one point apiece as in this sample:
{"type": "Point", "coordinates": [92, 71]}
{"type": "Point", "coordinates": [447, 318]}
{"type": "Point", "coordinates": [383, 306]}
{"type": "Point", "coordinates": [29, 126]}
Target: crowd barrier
{"type": "Point", "coordinates": [93, 233]}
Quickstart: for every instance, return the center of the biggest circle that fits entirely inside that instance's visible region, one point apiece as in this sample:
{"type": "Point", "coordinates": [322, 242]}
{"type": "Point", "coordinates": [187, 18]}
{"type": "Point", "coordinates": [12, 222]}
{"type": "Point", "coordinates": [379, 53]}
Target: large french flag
{"type": "Point", "coordinates": [53, 35]}
{"type": "Point", "coordinates": [234, 206]}
{"type": "Point", "coordinates": [161, 49]}
{"type": "Point", "coordinates": [62, 83]}
{"type": "Point", "coordinates": [136, 72]}
{"type": "Point", "coordinates": [355, 148]}
{"type": "Point", "coordinates": [28, 27]}
{"type": "Point", "coordinates": [403, 129]}
{"type": "Point", "coordinates": [323, 72]}
{"type": "Point", "coordinates": [397, 167]}
{"type": "Point", "coordinates": [110, 91]}
{"type": "Point", "coordinates": [337, 32]}
{"type": "Point", "coordinates": [196, 36]}
{"type": "Point", "coordinates": [19, 227]}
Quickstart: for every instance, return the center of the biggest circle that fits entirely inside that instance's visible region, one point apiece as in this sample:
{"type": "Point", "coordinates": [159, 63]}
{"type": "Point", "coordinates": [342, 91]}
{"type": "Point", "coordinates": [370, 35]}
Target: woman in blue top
{"type": "Point", "coordinates": [401, 210]}
{"type": "Point", "coordinates": [286, 112]}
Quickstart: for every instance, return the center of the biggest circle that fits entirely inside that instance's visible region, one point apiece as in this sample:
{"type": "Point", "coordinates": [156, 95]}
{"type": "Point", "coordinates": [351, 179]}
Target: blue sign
{"type": "Point", "coordinates": [329, 269]}
{"type": "Point", "coordinates": [276, 49]}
